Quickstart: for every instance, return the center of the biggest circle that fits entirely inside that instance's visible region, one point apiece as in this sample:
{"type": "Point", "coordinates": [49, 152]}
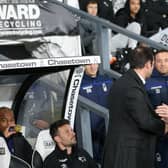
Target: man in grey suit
{"type": "Point", "coordinates": [133, 123]}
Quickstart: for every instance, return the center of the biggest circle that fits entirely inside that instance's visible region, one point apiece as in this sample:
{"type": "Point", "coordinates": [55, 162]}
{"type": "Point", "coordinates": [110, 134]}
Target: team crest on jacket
{"type": "Point", "coordinates": [104, 86]}
{"type": "Point", "coordinates": [88, 89]}
{"type": "Point", "coordinates": [64, 165]}
{"type": "Point", "coordinates": [157, 89]}
{"type": "Point", "coordinates": [82, 159]}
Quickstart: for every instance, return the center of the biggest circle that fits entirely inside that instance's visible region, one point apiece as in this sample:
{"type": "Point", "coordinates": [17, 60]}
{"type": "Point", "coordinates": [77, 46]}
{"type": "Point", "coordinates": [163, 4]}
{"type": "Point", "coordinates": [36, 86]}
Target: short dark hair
{"type": "Point", "coordinates": [140, 56]}
{"type": "Point", "coordinates": [54, 127]}
{"type": "Point", "coordinates": [161, 51]}
{"type": "Point", "coordinates": [92, 2]}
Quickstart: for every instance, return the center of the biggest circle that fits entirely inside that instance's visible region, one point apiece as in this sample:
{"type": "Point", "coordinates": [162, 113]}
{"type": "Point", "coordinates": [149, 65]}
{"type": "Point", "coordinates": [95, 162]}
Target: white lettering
{"type": "Point", "coordinates": [22, 12]}
{"type": "Point", "coordinates": [11, 13]}
{"type": "Point", "coordinates": [19, 11]}
{"type": "Point", "coordinates": [3, 9]}
{"type": "Point", "coordinates": [34, 12]}
{"type": "Point", "coordinates": [6, 24]}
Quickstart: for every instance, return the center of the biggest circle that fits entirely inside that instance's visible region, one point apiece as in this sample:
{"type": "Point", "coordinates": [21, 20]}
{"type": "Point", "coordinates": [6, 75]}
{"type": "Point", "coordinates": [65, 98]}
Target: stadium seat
{"type": "Point", "coordinates": [18, 163]}
{"type": "Point", "coordinates": [5, 155]}
{"type": "Point", "coordinates": [43, 147]}
{"type": "Point", "coordinates": [8, 160]}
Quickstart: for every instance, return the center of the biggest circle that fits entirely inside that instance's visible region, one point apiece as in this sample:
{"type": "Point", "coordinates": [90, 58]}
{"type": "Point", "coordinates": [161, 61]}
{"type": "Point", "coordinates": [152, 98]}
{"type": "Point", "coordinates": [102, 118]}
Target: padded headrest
{"type": "Point", "coordinates": [44, 143]}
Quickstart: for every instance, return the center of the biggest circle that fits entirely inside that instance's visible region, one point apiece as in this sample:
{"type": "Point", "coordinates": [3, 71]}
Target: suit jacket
{"type": "Point", "coordinates": [133, 125]}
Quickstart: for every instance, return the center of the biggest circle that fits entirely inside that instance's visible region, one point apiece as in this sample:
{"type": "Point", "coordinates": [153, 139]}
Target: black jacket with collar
{"type": "Point", "coordinates": [60, 159]}
{"type": "Point", "coordinates": [133, 125]}
{"type": "Point", "coordinates": [123, 18]}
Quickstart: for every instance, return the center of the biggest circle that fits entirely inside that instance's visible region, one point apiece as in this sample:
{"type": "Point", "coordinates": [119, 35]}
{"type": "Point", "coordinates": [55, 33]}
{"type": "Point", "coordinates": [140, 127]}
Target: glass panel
{"type": "Point", "coordinates": [43, 103]}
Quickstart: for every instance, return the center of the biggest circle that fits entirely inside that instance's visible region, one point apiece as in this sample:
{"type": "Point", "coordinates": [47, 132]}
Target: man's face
{"type": "Point", "coordinates": [91, 70]}
{"type": "Point", "coordinates": [161, 62]}
{"type": "Point", "coordinates": [92, 9]}
{"type": "Point", "coordinates": [6, 120]}
{"type": "Point", "coordinates": [66, 135]}
{"type": "Point", "coordinates": [134, 6]}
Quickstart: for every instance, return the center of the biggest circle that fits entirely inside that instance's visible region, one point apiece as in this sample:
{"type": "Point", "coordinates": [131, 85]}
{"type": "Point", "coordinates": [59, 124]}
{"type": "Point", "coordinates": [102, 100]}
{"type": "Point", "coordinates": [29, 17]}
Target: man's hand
{"type": "Point", "coordinates": [8, 132]}
{"type": "Point", "coordinates": [162, 111]}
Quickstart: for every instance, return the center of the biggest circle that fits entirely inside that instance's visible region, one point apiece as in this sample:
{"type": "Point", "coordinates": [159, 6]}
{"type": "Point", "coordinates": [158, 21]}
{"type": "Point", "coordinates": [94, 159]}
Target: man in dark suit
{"type": "Point", "coordinates": [133, 123]}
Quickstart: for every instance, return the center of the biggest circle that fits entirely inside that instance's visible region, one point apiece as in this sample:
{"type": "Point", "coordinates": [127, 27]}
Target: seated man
{"type": "Point", "coordinates": [66, 153]}
{"type": "Point", "coordinates": [17, 144]}
{"type": "Point", "coordinates": [132, 18]}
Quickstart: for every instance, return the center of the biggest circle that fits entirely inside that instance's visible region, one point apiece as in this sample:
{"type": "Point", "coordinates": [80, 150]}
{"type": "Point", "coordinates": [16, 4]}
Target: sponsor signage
{"type": "Point", "coordinates": [50, 62]}
{"type": "Point", "coordinates": [2, 150]}
{"type": "Point", "coordinates": [34, 18]}
{"type": "Point", "coordinates": [48, 144]}
{"type": "Point", "coordinates": [73, 93]}
{"type": "Point", "coordinates": [161, 37]}
{"type": "Point", "coordinates": [20, 18]}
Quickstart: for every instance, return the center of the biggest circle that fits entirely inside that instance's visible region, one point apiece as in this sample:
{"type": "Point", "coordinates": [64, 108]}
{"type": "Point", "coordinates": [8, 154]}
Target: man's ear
{"type": "Point", "coordinates": [57, 139]}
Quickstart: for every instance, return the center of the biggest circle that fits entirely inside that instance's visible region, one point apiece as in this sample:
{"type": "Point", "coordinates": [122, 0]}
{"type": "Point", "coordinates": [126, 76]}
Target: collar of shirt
{"type": "Point", "coordinates": [142, 79]}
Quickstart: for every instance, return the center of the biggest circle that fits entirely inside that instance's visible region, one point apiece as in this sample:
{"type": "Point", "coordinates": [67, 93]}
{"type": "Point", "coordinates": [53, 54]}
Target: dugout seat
{"type": "Point", "coordinates": [8, 160]}
{"type": "Point", "coordinates": [43, 147]}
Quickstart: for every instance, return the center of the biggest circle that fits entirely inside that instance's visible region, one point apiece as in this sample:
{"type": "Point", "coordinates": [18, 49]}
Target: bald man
{"type": "Point", "coordinates": [17, 144]}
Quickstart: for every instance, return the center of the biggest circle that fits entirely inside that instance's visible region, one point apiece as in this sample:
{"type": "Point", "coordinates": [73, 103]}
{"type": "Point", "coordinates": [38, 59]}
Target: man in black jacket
{"type": "Point", "coordinates": [132, 18]}
{"type": "Point", "coordinates": [133, 123]}
{"type": "Point", "coordinates": [16, 143]}
{"type": "Point", "coordinates": [66, 153]}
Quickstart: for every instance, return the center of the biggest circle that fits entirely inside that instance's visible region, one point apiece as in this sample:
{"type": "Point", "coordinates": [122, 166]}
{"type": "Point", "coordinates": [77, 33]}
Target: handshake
{"type": "Point", "coordinates": [162, 111]}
